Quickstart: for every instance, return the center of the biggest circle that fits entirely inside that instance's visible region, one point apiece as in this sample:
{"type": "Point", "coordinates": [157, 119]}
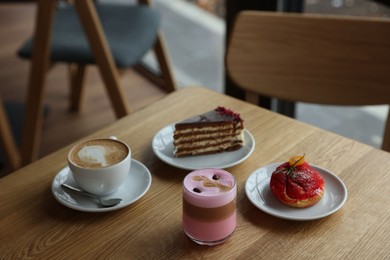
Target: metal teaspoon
{"type": "Point", "coordinates": [103, 202]}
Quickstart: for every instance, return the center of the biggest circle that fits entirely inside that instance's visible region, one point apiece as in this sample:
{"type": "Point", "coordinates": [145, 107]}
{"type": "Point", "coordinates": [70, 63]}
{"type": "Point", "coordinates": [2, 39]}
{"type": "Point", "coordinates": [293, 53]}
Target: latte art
{"type": "Point", "coordinates": [94, 154]}
{"type": "Point", "coordinates": [98, 153]}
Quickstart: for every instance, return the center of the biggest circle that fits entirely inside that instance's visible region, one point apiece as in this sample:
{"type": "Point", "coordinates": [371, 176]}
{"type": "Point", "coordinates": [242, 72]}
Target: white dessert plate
{"type": "Point", "coordinates": [136, 185]}
{"type": "Point", "coordinates": [259, 193]}
{"type": "Point", "coordinates": [163, 148]}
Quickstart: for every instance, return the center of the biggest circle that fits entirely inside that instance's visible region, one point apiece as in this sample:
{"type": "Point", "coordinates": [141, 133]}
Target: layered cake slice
{"type": "Point", "coordinates": [215, 131]}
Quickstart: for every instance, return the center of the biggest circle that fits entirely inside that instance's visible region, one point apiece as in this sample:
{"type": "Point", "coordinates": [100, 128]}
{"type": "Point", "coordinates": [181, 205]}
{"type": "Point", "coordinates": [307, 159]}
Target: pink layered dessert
{"type": "Point", "coordinates": [209, 205]}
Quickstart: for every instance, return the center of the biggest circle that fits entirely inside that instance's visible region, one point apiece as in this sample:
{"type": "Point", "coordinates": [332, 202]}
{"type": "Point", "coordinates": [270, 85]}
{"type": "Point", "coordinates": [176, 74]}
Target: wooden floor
{"type": "Point", "coordinates": [61, 126]}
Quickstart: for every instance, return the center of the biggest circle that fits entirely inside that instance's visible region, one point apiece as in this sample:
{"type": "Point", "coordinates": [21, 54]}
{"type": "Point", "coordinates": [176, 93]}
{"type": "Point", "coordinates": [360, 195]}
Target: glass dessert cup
{"type": "Point", "coordinates": [209, 206]}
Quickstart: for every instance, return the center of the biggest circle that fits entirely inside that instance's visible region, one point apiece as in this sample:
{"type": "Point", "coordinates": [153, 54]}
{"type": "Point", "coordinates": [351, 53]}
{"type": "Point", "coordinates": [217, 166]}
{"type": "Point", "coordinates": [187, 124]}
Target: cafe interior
{"type": "Point", "coordinates": [67, 75]}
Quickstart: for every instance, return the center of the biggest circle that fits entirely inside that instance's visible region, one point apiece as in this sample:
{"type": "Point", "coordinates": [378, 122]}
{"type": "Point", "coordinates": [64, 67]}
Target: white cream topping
{"type": "Point", "coordinates": [93, 154]}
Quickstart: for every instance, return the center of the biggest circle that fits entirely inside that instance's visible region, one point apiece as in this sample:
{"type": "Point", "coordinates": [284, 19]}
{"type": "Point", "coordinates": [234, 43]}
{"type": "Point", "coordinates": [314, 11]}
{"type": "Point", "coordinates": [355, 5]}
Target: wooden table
{"type": "Point", "coordinates": [33, 224]}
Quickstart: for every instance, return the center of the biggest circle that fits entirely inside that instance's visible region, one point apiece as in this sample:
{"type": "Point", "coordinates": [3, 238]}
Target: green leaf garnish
{"type": "Point", "coordinates": [291, 170]}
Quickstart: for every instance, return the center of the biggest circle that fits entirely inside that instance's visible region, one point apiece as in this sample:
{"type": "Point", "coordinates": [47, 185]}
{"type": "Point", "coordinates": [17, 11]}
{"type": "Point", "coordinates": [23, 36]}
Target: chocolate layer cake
{"type": "Point", "coordinates": [215, 131]}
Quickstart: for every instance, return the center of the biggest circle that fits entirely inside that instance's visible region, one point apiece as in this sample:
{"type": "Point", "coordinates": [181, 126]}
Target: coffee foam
{"type": "Point", "coordinates": [98, 153]}
{"type": "Point", "coordinates": [94, 154]}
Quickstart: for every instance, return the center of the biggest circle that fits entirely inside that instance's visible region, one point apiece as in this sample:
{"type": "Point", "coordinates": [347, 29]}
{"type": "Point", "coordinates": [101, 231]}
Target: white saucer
{"type": "Point", "coordinates": [259, 193]}
{"type": "Point", "coordinates": [136, 185]}
{"type": "Point", "coordinates": [163, 147]}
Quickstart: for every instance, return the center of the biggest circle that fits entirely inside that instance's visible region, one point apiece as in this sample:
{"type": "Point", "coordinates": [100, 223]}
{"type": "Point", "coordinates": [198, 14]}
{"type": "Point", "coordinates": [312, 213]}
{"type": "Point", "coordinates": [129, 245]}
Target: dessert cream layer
{"type": "Point", "coordinates": [217, 135]}
{"type": "Point", "coordinates": [209, 146]}
{"type": "Point", "coordinates": [183, 129]}
{"type": "Point", "coordinates": [207, 150]}
{"type": "Point", "coordinates": [210, 142]}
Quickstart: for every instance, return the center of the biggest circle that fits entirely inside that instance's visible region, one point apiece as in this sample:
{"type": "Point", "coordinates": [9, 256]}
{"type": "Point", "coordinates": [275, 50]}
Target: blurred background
{"type": "Point", "coordinates": [195, 32]}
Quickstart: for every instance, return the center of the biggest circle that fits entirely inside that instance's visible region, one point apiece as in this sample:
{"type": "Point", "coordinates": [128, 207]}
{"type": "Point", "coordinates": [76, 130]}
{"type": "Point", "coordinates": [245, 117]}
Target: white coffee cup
{"type": "Point", "coordinates": [100, 166]}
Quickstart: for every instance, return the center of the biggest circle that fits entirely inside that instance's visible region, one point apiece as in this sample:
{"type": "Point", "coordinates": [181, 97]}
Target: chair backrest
{"type": "Point", "coordinates": [312, 58]}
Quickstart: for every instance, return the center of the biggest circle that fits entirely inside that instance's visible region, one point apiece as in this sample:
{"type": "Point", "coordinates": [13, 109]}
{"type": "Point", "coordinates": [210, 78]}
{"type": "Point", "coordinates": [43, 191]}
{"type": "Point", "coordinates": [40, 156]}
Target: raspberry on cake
{"type": "Point", "coordinates": [297, 184]}
{"type": "Point", "coordinates": [215, 131]}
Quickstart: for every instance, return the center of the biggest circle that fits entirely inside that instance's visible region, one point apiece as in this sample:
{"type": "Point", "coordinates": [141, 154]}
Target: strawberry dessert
{"type": "Point", "coordinates": [297, 184]}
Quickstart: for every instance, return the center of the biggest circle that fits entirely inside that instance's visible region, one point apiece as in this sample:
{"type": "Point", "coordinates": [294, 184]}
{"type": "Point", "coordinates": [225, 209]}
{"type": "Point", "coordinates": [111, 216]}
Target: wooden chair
{"type": "Point", "coordinates": [312, 58]}
{"type": "Point", "coordinates": [111, 36]}
{"type": "Point", "coordinates": [7, 141]}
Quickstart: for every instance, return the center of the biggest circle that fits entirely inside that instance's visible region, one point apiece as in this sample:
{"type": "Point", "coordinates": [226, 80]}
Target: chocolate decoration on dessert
{"type": "Point", "coordinates": [206, 182]}
{"type": "Point", "coordinates": [219, 114]}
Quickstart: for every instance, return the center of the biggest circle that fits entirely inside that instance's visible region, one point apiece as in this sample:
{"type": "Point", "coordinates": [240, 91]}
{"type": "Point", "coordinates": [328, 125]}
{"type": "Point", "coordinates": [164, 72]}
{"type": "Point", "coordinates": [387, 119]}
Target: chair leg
{"type": "Point", "coordinates": [102, 54]}
{"type": "Point", "coordinates": [8, 142]}
{"type": "Point", "coordinates": [39, 65]}
{"type": "Point", "coordinates": [166, 80]}
{"type": "Point", "coordinates": [165, 64]}
{"type": "Point", "coordinates": [77, 89]}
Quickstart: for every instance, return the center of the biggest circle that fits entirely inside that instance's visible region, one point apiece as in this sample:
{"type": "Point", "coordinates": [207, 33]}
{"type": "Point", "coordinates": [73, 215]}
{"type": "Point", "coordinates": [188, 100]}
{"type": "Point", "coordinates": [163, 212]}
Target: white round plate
{"type": "Point", "coordinates": [259, 193]}
{"type": "Point", "coordinates": [163, 148]}
{"type": "Point", "coordinates": [136, 185]}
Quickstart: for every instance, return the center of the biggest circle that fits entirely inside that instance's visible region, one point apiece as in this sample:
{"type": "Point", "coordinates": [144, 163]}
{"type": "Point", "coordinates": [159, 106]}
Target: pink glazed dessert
{"type": "Point", "coordinates": [209, 206]}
